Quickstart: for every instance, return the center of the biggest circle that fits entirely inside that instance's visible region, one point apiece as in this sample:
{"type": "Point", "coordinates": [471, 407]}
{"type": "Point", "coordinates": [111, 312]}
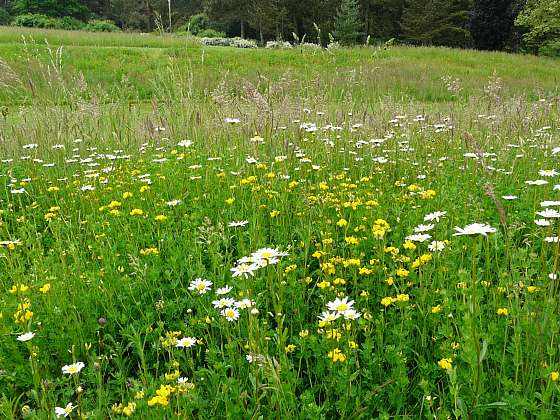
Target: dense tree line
{"type": "Point", "coordinates": [482, 24]}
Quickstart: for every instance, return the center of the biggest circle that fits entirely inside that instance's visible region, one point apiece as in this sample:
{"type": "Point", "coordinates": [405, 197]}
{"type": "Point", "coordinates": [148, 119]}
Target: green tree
{"type": "Point", "coordinates": [348, 24]}
{"type": "Point", "coordinates": [59, 8]}
{"type": "Point", "coordinates": [437, 22]}
{"type": "Point", "coordinates": [229, 12]}
{"type": "Point", "coordinates": [541, 19]}
{"type": "Point", "coordinates": [264, 16]}
{"type": "Point", "coordinates": [492, 23]}
{"type": "Point", "coordinates": [382, 17]}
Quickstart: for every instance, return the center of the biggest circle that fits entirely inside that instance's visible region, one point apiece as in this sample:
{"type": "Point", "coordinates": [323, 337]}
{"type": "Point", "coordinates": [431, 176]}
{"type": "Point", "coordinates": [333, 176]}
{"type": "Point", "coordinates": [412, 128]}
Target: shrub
{"type": "Point", "coordinates": [243, 43]}
{"type": "Point", "coordinates": [69, 23]}
{"type": "Point", "coordinates": [96, 25]}
{"type": "Point", "coordinates": [37, 20]}
{"type": "Point", "coordinates": [210, 33]}
{"type": "Point", "coordinates": [32, 20]}
{"type": "Point", "coordinates": [310, 46]}
{"type": "Point", "coordinates": [278, 45]}
{"type": "Point", "coordinates": [216, 42]}
{"type": "Point", "coordinates": [198, 23]}
{"type": "Point", "coordinates": [5, 17]}
{"type": "Point", "coordinates": [229, 42]}
{"type": "Point", "coordinates": [550, 49]}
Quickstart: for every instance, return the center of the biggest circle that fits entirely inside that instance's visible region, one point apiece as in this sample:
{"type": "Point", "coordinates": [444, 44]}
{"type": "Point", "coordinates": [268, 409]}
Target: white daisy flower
{"type": "Point", "coordinates": [329, 316]}
{"type": "Point", "coordinates": [238, 223]}
{"type": "Point", "coordinates": [351, 315]}
{"type": "Point", "coordinates": [231, 314]}
{"type": "Point", "coordinates": [200, 285]}
{"type": "Point", "coordinates": [64, 411]}
{"type": "Point", "coordinates": [223, 303]}
{"type": "Point", "coordinates": [419, 237]}
{"type": "Point", "coordinates": [224, 290]}
{"type": "Point", "coordinates": [436, 246]}
{"type": "Point", "coordinates": [186, 342]}
{"type": "Point", "coordinates": [244, 304]}
{"type": "Point", "coordinates": [548, 172]}
{"type": "Point", "coordinates": [474, 229]}
{"type": "Point", "coordinates": [26, 336]}
{"type": "Point", "coordinates": [549, 213]}
{"type": "Point", "coordinates": [435, 216]}
{"type": "Point", "coordinates": [542, 222]}
{"type": "Point", "coordinates": [423, 228]}
{"type": "Point", "coordinates": [73, 369]}
{"type": "Point", "coordinates": [340, 305]}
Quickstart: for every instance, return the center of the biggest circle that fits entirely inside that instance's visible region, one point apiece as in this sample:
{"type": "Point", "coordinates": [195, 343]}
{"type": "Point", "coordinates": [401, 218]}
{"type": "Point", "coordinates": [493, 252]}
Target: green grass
{"type": "Point", "coordinates": [470, 331]}
{"type": "Point", "coordinates": [409, 73]}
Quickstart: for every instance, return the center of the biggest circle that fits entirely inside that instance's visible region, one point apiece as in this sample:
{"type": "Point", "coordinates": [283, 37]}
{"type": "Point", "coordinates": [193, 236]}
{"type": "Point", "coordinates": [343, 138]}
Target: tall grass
{"type": "Point", "coordinates": [109, 215]}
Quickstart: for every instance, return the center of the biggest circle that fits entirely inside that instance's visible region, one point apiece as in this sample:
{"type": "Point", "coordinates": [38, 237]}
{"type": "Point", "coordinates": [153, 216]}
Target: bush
{"type": "Point", "coordinates": [310, 46]}
{"type": "Point", "coordinates": [37, 20]}
{"type": "Point", "coordinates": [229, 42]}
{"type": "Point", "coordinates": [5, 17]}
{"type": "Point", "coordinates": [210, 33]}
{"type": "Point", "coordinates": [243, 43]}
{"type": "Point", "coordinates": [69, 23]}
{"type": "Point", "coordinates": [96, 25]}
{"type": "Point", "coordinates": [278, 45]}
{"type": "Point", "coordinates": [550, 49]}
{"type": "Point", "coordinates": [216, 42]}
{"type": "Point", "coordinates": [198, 23]}
{"type": "Point", "coordinates": [32, 20]}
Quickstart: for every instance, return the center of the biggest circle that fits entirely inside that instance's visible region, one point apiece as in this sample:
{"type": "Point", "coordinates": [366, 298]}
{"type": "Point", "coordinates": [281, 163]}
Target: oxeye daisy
{"type": "Point", "coordinates": [435, 216]}
{"type": "Point", "coordinates": [351, 314]}
{"type": "Point", "coordinates": [223, 303]}
{"type": "Point", "coordinates": [419, 237]}
{"type": "Point", "coordinates": [474, 229]}
{"type": "Point", "coordinates": [26, 336]}
{"type": "Point", "coordinates": [64, 411]}
{"type": "Point", "coordinates": [186, 342]}
{"type": "Point", "coordinates": [423, 228]}
{"type": "Point", "coordinates": [340, 305]}
{"type": "Point", "coordinates": [329, 316]}
{"type": "Point", "coordinates": [73, 369]}
{"type": "Point", "coordinates": [549, 213]}
{"type": "Point", "coordinates": [231, 314]}
{"type": "Point", "coordinates": [244, 304]}
{"type": "Point", "coordinates": [224, 290]}
{"type": "Point", "coordinates": [200, 285]}
{"type": "Point", "coordinates": [238, 223]}
{"type": "Point", "coordinates": [245, 270]}
{"type": "Point", "coordinates": [436, 246]}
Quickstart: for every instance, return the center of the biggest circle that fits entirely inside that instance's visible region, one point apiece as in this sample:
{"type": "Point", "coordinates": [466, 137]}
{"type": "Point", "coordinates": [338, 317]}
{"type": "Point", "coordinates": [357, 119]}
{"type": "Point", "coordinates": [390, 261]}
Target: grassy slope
{"type": "Point", "coordinates": [366, 73]}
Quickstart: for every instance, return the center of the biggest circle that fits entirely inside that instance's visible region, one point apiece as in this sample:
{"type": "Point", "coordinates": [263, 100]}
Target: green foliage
{"type": "Point", "coordinates": [492, 22]}
{"type": "Point", "coordinates": [102, 25]}
{"type": "Point", "coordinates": [197, 23]}
{"type": "Point", "coordinates": [550, 48]}
{"type": "Point", "coordinates": [541, 20]}
{"type": "Point", "coordinates": [210, 33]}
{"type": "Point", "coordinates": [5, 17]}
{"type": "Point", "coordinates": [37, 20]}
{"type": "Point", "coordinates": [58, 8]}
{"type": "Point", "coordinates": [347, 25]}
{"type": "Point", "coordinates": [436, 22]}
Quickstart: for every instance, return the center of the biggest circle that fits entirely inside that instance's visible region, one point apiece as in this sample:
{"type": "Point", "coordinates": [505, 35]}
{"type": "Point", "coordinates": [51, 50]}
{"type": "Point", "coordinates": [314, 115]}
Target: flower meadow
{"type": "Point", "coordinates": [281, 256]}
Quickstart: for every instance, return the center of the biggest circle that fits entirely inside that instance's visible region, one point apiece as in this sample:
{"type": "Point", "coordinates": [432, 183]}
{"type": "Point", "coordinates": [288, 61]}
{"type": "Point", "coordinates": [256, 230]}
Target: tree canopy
{"type": "Point", "coordinates": [483, 24]}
